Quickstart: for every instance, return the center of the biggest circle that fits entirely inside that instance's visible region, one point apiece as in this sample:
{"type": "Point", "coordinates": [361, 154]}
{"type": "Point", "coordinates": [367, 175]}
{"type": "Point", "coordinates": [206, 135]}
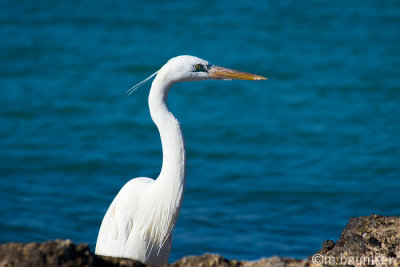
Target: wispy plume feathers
{"type": "Point", "coordinates": [133, 89]}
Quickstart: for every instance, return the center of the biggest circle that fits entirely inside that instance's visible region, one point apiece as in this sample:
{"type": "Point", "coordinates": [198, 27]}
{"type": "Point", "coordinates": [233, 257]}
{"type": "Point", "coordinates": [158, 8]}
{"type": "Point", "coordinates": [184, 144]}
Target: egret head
{"type": "Point", "coordinates": [190, 68]}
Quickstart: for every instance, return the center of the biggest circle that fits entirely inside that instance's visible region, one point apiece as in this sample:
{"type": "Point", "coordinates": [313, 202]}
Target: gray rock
{"type": "Point", "coordinates": [214, 260]}
{"type": "Point", "coordinates": [56, 253]}
{"type": "Point", "coordinates": [372, 238]}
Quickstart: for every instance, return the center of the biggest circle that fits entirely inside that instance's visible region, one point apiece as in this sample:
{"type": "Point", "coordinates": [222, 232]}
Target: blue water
{"type": "Point", "coordinates": [274, 167]}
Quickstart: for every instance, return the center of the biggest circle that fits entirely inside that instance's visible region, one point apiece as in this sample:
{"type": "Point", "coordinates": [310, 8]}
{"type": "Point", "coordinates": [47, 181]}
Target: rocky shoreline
{"type": "Point", "coordinates": [366, 241]}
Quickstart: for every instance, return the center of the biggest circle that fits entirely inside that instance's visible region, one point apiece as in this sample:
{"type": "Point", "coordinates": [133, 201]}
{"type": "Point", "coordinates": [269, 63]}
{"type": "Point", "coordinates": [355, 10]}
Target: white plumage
{"type": "Point", "coordinates": [140, 220]}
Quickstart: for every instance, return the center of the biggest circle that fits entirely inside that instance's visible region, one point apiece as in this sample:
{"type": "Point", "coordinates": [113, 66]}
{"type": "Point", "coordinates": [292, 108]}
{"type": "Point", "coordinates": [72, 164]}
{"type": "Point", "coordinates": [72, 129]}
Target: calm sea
{"type": "Point", "coordinates": [274, 167]}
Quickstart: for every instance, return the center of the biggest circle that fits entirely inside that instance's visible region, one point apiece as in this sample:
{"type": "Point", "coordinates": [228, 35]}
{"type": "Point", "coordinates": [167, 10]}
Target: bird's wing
{"type": "Point", "coordinates": [120, 217]}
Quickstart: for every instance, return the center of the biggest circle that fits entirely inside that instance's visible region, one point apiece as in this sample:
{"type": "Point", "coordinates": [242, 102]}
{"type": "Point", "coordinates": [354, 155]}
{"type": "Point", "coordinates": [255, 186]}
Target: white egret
{"type": "Point", "coordinates": [140, 220]}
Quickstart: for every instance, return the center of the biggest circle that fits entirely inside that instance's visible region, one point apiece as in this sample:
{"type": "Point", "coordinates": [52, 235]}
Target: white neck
{"type": "Point", "coordinates": [173, 171]}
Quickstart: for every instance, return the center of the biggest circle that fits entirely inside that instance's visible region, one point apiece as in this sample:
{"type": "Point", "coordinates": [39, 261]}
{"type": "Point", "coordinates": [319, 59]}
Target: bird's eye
{"type": "Point", "coordinates": [198, 66]}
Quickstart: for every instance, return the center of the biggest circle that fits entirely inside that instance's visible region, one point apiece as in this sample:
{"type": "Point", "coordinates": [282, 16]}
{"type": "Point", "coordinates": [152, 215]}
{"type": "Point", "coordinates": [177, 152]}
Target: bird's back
{"type": "Point", "coordinates": [127, 228]}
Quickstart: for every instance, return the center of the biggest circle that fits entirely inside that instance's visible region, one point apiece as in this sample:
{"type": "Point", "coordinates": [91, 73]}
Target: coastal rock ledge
{"type": "Point", "coordinates": [366, 241]}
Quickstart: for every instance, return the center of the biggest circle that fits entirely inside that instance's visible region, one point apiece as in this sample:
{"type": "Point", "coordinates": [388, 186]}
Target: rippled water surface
{"type": "Point", "coordinates": [274, 167]}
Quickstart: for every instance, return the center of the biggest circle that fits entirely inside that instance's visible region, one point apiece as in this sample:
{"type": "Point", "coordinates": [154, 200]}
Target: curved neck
{"type": "Point", "coordinates": [173, 169]}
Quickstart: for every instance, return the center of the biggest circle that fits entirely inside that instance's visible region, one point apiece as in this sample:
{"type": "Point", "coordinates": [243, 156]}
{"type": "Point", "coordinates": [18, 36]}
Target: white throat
{"type": "Point", "coordinates": [173, 171]}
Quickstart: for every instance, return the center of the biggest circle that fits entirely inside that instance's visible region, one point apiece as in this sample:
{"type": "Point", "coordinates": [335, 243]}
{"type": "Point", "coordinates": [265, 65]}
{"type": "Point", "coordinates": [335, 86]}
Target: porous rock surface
{"type": "Point", "coordinates": [61, 253]}
{"type": "Point", "coordinates": [371, 240]}
{"type": "Point", "coordinates": [375, 238]}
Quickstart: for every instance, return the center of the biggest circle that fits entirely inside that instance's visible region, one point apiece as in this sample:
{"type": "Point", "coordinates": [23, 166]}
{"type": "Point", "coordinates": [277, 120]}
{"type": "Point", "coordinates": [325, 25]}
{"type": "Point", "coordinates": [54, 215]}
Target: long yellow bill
{"type": "Point", "coordinates": [229, 74]}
